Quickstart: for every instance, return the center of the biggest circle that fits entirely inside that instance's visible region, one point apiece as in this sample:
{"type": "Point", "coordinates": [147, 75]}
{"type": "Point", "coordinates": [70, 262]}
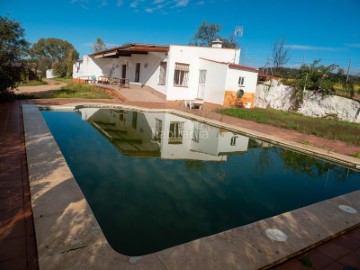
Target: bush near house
{"type": "Point", "coordinates": [328, 128]}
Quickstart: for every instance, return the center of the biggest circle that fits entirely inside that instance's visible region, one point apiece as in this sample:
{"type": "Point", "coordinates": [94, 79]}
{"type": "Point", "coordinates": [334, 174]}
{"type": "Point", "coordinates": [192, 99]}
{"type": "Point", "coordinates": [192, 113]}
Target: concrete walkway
{"type": "Point", "coordinates": [17, 237]}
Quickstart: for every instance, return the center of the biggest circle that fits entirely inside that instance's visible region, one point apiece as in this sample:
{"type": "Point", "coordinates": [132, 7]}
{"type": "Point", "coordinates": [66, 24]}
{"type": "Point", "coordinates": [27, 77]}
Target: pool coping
{"type": "Point", "coordinates": [68, 235]}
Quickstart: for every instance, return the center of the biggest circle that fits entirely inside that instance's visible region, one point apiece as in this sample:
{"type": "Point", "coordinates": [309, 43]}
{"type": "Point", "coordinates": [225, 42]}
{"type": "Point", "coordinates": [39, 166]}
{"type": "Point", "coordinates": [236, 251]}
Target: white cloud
{"type": "Point", "coordinates": [82, 3]}
{"type": "Point", "coordinates": [354, 45]}
{"type": "Point", "coordinates": [310, 48]}
{"type": "Point", "coordinates": [119, 3]}
{"type": "Point", "coordinates": [134, 4]}
{"type": "Point", "coordinates": [103, 3]}
{"type": "Point", "coordinates": [200, 3]}
{"type": "Point", "coordinates": [159, 1]}
{"type": "Point", "coordinates": [149, 10]}
{"type": "Point", "coordinates": [181, 3]}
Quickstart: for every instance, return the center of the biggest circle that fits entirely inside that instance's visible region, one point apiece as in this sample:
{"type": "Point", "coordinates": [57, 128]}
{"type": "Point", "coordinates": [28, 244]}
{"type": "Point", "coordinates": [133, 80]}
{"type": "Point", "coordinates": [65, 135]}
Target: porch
{"type": "Point", "coordinates": [134, 92]}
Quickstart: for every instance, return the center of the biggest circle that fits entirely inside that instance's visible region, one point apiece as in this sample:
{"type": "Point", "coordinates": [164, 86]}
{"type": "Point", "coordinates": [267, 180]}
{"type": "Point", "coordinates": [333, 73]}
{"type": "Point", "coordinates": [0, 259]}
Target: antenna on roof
{"type": "Point", "coordinates": [239, 30]}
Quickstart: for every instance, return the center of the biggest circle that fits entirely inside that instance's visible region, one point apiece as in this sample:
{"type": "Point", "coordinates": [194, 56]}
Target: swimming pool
{"type": "Point", "coordinates": [155, 180]}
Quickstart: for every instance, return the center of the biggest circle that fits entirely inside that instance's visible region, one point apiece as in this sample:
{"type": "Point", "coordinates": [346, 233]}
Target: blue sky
{"type": "Point", "coordinates": [313, 29]}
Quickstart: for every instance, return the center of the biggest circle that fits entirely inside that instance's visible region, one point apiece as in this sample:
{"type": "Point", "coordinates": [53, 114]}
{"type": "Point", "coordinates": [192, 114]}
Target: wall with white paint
{"type": "Point", "coordinates": [215, 81]}
{"type": "Point", "coordinates": [232, 80]}
{"type": "Point", "coordinates": [191, 55]}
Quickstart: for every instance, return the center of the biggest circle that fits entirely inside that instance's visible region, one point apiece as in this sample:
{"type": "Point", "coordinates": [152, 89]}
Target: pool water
{"type": "Point", "coordinates": [155, 180]}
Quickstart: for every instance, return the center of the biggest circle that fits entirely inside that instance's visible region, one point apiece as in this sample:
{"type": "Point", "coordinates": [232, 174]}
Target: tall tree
{"type": "Point", "coordinates": [13, 47]}
{"type": "Point", "coordinates": [206, 34]}
{"type": "Point", "coordinates": [280, 54]}
{"type": "Point", "coordinates": [55, 51]}
{"type": "Point", "coordinates": [99, 45]}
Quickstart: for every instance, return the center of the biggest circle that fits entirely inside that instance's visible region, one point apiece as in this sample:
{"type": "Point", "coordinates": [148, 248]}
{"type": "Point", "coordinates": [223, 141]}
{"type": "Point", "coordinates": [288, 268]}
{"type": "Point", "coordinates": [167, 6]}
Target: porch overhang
{"type": "Point", "coordinates": [130, 49]}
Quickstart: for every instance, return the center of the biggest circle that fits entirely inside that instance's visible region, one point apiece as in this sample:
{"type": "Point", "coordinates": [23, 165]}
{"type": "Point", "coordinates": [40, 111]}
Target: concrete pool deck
{"type": "Point", "coordinates": [69, 237]}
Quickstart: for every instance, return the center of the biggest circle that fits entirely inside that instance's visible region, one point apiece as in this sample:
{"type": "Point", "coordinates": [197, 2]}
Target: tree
{"type": "Point", "coordinates": [13, 47]}
{"type": "Point", "coordinates": [59, 69]}
{"type": "Point", "coordinates": [313, 77]}
{"type": "Point", "coordinates": [317, 77]}
{"type": "Point", "coordinates": [99, 45]}
{"type": "Point", "coordinates": [53, 50]}
{"type": "Point", "coordinates": [280, 54]}
{"type": "Point", "coordinates": [206, 34]}
{"type": "Point", "coordinates": [230, 42]}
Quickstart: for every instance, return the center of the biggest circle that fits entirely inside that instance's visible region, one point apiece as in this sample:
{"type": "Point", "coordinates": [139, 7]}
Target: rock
{"type": "Point", "coordinates": [273, 94]}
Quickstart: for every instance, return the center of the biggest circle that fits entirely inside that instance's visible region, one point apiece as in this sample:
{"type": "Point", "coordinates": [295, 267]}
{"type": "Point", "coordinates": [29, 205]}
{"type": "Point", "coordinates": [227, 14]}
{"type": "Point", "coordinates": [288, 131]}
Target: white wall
{"type": "Point", "coordinates": [191, 55]}
{"type": "Point", "coordinates": [215, 81]}
{"type": "Point", "coordinates": [232, 79]}
{"type": "Point", "coordinates": [90, 67]}
{"type": "Point", "coordinates": [149, 69]}
{"type": "Point", "coordinates": [50, 74]}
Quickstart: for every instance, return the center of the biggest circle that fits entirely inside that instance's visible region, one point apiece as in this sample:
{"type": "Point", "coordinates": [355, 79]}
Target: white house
{"type": "Point", "coordinates": [177, 72]}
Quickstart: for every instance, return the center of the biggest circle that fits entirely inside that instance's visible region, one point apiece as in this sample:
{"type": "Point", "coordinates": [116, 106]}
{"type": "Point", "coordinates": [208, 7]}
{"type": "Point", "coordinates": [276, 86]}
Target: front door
{"type": "Point", "coordinates": [123, 72]}
{"type": "Point", "coordinates": [202, 81]}
{"type": "Point", "coordinates": [137, 72]}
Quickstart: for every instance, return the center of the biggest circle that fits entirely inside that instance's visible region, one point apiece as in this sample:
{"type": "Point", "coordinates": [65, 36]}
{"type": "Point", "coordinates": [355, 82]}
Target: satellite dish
{"type": "Point", "coordinates": [239, 93]}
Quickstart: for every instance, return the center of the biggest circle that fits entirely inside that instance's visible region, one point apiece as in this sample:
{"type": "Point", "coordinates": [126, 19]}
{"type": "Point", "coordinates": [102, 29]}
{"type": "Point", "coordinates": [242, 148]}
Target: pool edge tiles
{"type": "Point", "coordinates": [69, 236]}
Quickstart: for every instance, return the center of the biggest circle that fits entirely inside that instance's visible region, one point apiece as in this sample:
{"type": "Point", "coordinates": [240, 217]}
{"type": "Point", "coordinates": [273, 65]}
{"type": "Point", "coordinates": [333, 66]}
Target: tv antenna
{"type": "Point", "coordinates": [239, 31]}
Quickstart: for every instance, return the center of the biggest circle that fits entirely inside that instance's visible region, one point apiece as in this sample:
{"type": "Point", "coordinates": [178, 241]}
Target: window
{"type": "Point", "coordinates": [162, 75]}
{"type": "Point", "coordinates": [181, 74]}
{"type": "Point", "coordinates": [241, 80]}
{"type": "Point", "coordinates": [157, 131]}
{"type": "Point", "coordinates": [233, 140]}
{"type": "Point", "coordinates": [176, 132]}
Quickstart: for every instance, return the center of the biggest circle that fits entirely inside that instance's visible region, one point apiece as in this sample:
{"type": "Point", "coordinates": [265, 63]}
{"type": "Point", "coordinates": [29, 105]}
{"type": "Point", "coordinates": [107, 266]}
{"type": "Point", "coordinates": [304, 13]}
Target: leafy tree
{"type": "Point", "coordinates": [206, 34]}
{"type": "Point", "coordinates": [317, 77]}
{"type": "Point", "coordinates": [59, 69]}
{"type": "Point", "coordinates": [54, 50]}
{"type": "Point", "coordinates": [230, 42]}
{"type": "Point", "coordinates": [13, 47]}
{"type": "Point", "coordinates": [99, 45]}
{"type": "Point", "coordinates": [280, 54]}
{"type": "Point", "coordinates": [313, 77]}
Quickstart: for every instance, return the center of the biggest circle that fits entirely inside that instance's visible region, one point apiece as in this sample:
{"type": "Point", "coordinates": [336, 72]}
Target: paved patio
{"type": "Point", "coordinates": [17, 241]}
{"type": "Point", "coordinates": [17, 237]}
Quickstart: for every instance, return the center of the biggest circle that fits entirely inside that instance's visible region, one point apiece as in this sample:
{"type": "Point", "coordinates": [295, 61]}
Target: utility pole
{"type": "Point", "coordinates": [267, 67]}
{"type": "Point", "coordinates": [347, 73]}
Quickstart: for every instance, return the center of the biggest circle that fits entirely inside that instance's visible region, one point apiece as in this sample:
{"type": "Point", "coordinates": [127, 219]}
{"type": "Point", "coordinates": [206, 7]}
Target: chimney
{"type": "Point", "coordinates": [217, 43]}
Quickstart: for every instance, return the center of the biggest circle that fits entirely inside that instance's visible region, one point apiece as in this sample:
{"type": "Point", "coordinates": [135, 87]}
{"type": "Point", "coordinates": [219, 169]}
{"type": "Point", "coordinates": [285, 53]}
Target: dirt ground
{"type": "Point", "coordinates": [51, 85]}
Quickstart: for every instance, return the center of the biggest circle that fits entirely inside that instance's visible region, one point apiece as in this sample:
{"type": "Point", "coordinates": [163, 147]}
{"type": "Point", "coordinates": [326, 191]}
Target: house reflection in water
{"type": "Point", "coordinates": [164, 135]}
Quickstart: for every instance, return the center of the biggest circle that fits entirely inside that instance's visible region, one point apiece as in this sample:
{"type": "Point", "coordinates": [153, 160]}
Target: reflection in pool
{"type": "Point", "coordinates": [155, 180]}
